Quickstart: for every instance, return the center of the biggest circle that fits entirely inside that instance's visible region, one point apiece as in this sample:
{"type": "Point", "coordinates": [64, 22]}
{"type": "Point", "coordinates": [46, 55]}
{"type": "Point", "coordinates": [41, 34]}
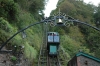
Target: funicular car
{"type": "Point", "coordinates": [53, 42]}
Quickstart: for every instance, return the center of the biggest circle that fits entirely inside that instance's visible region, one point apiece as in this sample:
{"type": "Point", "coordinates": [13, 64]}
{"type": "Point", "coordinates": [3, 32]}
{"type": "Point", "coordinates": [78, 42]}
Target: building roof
{"type": "Point", "coordinates": [88, 56]}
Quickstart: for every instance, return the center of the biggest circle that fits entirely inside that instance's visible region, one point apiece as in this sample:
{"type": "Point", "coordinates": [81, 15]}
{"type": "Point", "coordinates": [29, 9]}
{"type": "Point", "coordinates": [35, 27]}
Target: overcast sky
{"type": "Point", "coordinates": [95, 2]}
{"type": "Point", "coordinates": [52, 5]}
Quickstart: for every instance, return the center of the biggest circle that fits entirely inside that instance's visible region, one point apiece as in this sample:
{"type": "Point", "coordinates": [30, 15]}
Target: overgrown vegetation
{"type": "Point", "coordinates": [17, 14]}
{"type": "Point", "coordinates": [80, 37]}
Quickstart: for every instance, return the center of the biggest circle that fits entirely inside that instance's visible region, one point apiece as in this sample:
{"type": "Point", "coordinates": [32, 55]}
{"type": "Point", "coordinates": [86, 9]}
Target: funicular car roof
{"type": "Point", "coordinates": [54, 33]}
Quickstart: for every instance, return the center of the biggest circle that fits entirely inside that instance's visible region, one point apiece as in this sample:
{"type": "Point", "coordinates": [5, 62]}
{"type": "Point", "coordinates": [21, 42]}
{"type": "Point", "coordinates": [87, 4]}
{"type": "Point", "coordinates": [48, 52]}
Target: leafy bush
{"type": "Point", "coordinates": [8, 9]}
{"type": "Point", "coordinates": [5, 25]}
{"type": "Point", "coordinates": [13, 59]}
{"type": "Point", "coordinates": [70, 45]}
{"type": "Point", "coordinates": [30, 52]}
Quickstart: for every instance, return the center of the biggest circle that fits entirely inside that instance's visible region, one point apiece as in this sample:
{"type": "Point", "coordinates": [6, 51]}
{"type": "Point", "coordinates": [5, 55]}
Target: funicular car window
{"type": "Point", "coordinates": [56, 38]}
{"type": "Point", "coordinates": [50, 37]}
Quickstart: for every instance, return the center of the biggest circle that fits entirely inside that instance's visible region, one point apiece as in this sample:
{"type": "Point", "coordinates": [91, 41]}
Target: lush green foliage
{"type": "Point", "coordinates": [16, 15]}
{"type": "Point", "coordinates": [8, 9]}
{"type": "Point", "coordinates": [80, 37]}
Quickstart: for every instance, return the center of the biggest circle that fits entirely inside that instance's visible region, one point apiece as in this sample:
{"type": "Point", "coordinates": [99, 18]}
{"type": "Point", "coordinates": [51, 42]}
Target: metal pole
{"type": "Point", "coordinates": [87, 25]}
{"type": "Point", "coordinates": [19, 32]}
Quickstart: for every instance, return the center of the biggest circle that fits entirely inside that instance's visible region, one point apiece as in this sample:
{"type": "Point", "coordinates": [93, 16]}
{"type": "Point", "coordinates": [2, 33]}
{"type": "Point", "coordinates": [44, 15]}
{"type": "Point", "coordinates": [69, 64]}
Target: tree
{"type": "Point", "coordinates": [8, 10]}
{"type": "Point", "coordinates": [97, 16]}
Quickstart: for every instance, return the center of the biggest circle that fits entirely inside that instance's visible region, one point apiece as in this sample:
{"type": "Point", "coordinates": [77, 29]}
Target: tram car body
{"type": "Point", "coordinates": [53, 42]}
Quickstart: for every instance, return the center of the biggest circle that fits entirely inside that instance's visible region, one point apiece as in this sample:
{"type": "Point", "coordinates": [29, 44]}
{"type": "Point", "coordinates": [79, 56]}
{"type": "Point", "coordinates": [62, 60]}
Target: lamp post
{"type": "Point", "coordinates": [21, 31]}
{"type": "Point", "coordinates": [43, 21]}
{"type": "Point", "coordinates": [23, 34]}
{"type": "Point", "coordinates": [58, 20]}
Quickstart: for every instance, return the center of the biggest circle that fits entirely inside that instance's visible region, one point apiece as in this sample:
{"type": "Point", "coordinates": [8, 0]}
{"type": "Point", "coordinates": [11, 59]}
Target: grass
{"type": "Point", "coordinates": [30, 52]}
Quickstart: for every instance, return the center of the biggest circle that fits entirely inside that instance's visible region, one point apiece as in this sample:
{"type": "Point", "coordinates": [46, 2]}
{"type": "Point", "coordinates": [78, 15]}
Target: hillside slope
{"type": "Point", "coordinates": [79, 37]}
{"type": "Point", "coordinates": [16, 15]}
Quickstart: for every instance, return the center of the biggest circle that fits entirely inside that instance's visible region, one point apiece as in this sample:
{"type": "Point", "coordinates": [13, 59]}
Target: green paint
{"type": "Point", "coordinates": [88, 56]}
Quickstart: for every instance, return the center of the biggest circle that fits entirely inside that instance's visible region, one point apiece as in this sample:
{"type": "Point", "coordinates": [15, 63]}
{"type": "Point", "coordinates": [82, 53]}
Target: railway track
{"type": "Point", "coordinates": [43, 56]}
{"type": "Point", "coordinates": [45, 59]}
{"type": "Point", "coordinates": [53, 61]}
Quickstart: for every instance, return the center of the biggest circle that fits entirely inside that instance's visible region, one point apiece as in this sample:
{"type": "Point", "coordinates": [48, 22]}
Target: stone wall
{"type": "Point", "coordinates": [5, 60]}
{"type": "Point", "coordinates": [84, 61]}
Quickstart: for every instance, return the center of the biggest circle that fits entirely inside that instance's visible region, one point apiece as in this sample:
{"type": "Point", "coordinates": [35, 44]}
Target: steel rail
{"type": "Point", "coordinates": [53, 61]}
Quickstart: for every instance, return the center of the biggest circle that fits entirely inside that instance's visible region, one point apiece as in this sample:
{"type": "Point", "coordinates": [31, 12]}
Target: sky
{"type": "Point", "coordinates": [51, 5]}
{"type": "Point", "coordinates": [95, 2]}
